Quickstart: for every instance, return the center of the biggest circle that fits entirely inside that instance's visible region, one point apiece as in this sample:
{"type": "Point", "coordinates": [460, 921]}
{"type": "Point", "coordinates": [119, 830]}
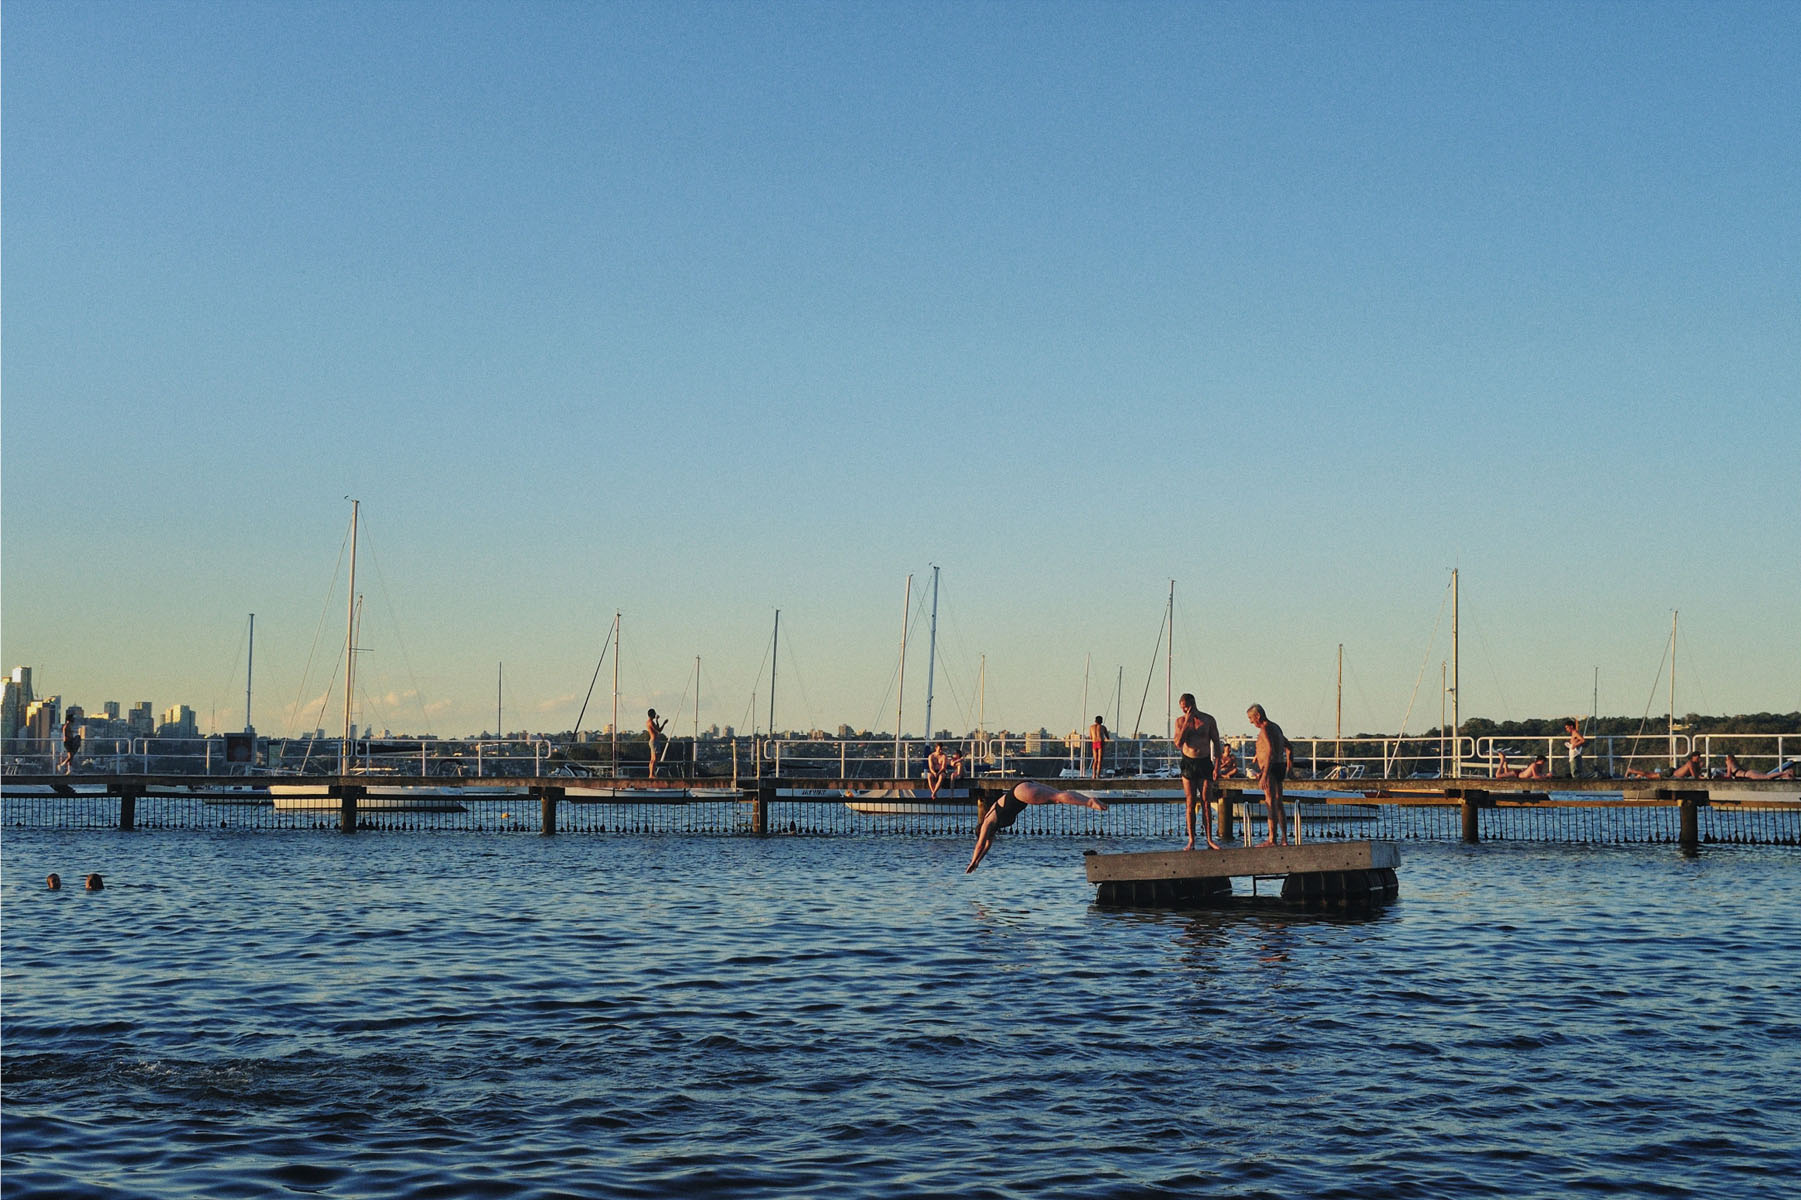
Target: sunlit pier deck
{"type": "Point", "coordinates": [1347, 875]}
{"type": "Point", "coordinates": [1685, 810]}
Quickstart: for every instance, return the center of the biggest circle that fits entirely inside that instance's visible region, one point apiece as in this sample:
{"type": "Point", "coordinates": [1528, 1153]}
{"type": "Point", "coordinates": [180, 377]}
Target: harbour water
{"type": "Point", "coordinates": [280, 1013]}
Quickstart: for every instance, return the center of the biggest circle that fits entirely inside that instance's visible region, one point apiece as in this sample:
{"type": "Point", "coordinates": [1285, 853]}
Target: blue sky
{"type": "Point", "coordinates": [698, 311]}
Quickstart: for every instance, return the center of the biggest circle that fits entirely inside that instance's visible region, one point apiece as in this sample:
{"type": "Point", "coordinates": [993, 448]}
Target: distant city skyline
{"type": "Point", "coordinates": [694, 313]}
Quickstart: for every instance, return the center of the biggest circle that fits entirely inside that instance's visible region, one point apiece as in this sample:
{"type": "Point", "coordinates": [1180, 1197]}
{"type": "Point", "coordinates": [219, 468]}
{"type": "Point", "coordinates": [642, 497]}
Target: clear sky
{"type": "Point", "coordinates": [697, 311]}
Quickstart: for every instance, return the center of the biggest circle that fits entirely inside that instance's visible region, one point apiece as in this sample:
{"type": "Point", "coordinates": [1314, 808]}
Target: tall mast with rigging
{"type": "Point", "coordinates": [349, 648]}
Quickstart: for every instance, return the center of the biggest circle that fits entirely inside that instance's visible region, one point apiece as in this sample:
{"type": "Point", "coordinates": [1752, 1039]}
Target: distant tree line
{"type": "Point", "coordinates": [1692, 724]}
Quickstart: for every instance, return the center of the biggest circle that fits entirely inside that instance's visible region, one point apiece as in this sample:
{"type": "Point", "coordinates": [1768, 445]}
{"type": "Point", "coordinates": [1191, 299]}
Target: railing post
{"type": "Point", "coordinates": [1472, 802]}
{"type": "Point", "coordinates": [547, 808]}
{"type": "Point", "coordinates": [347, 794]}
{"type": "Point", "coordinates": [759, 811]}
{"type": "Point", "coordinates": [1688, 808]}
{"type": "Point", "coordinates": [1228, 814]}
{"type": "Point", "coordinates": [128, 808]}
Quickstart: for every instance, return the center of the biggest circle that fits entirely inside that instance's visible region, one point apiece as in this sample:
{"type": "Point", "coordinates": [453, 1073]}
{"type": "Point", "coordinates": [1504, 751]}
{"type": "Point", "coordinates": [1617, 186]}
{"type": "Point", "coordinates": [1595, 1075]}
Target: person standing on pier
{"type": "Point", "coordinates": [1197, 737]}
{"type": "Point", "coordinates": [1006, 810]}
{"type": "Point", "coordinates": [71, 744]}
{"type": "Point", "coordinates": [1098, 738]}
{"type": "Point", "coordinates": [653, 728]}
{"type": "Point", "coordinates": [1577, 743]}
{"type": "Point", "coordinates": [1275, 759]}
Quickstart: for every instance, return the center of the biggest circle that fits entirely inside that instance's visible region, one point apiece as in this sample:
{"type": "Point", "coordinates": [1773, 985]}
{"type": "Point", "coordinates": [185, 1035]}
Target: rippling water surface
{"type": "Point", "coordinates": [462, 1015]}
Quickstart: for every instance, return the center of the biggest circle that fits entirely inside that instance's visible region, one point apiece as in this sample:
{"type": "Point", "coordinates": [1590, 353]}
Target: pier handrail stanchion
{"type": "Point", "coordinates": [759, 812]}
{"type": "Point", "coordinates": [1471, 801]}
{"type": "Point", "coordinates": [347, 794]}
{"type": "Point", "coordinates": [547, 808]}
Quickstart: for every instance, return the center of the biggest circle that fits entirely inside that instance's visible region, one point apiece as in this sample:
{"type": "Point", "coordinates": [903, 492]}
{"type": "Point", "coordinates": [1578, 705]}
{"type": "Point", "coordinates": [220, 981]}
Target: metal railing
{"type": "Point", "coordinates": [880, 758]}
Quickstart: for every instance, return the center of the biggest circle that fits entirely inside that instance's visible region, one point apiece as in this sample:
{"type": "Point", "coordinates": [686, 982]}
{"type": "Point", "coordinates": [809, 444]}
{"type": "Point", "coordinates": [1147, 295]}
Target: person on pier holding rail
{"type": "Point", "coordinates": [653, 729]}
{"type": "Point", "coordinates": [1197, 737]}
{"type": "Point", "coordinates": [1097, 738]}
{"type": "Point", "coordinates": [1006, 810]}
{"type": "Point", "coordinates": [1275, 759]}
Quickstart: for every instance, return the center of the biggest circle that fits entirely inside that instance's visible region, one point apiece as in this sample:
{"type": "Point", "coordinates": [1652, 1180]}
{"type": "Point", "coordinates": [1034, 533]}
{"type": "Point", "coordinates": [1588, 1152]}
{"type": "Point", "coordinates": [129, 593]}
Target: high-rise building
{"type": "Point", "coordinates": [42, 717]}
{"type": "Point", "coordinates": [111, 709]}
{"type": "Point", "coordinates": [12, 709]}
{"type": "Point", "coordinates": [140, 721]}
{"type": "Point", "coordinates": [178, 722]}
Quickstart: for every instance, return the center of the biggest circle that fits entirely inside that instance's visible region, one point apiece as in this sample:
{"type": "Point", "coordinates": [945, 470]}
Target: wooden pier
{"type": "Point", "coordinates": [351, 801]}
{"type": "Point", "coordinates": [1344, 876]}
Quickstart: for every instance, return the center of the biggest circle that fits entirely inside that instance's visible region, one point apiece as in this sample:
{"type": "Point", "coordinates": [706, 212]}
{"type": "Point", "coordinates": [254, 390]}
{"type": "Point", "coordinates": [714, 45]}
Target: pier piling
{"type": "Point", "coordinates": [1471, 803]}
{"type": "Point", "coordinates": [547, 809]}
{"type": "Point", "coordinates": [128, 808]}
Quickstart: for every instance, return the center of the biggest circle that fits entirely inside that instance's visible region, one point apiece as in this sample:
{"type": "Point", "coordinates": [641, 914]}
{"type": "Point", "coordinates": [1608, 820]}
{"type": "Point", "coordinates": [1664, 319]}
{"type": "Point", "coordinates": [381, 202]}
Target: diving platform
{"type": "Point", "coordinates": [1344, 876]}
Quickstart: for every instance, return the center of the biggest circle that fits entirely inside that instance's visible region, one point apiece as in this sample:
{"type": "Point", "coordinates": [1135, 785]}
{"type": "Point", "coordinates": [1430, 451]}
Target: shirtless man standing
{"type": "Point", "coordinates": [1097, 737]}
{"type": "Point", "coordinates": [1275, 759]}
{"type": "Point", "coordinates": [653, 730]}
{"type": "Point", "coordinates": [1197, 737]}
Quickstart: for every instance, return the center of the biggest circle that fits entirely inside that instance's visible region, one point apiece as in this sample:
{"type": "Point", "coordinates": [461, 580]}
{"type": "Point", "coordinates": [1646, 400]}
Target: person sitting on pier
{"type": "Point", "coordinates": [937, 764]}
{"type": "Point", "coordinates": [1197, 737]}
{"type": "Point", "coordinates": [1227, 766]}
{"type": "Point", "coordinates": [1006, 810]}
{"type": "Point", "coordinates": [1275, 759]}
{"type": "Point", "coordinates": [1782, 771]}
{"type": "Point", "coordinates": [653, 729]}
{"type": "Point", "coordinates": [958, 764]}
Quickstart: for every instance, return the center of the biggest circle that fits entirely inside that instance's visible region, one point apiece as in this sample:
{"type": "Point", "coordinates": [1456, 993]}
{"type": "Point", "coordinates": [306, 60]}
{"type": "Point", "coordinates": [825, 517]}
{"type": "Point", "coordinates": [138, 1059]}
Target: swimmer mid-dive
{"type": "Point", "coordinates": [1006, 810]}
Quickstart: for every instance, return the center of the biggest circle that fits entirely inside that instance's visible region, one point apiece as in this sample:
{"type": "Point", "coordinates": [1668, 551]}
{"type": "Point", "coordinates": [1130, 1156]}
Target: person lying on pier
{"type": "Point", "coordinates": [1734, 771]}
{"type": "Point", "coordinates": [1690, 769]}
{"type": "Point", "coordinates": [937, 764]}
{"type": "Point", "coordinates": [1538, 768]}
{"type": "Point", "coordinates": [1006, 810]}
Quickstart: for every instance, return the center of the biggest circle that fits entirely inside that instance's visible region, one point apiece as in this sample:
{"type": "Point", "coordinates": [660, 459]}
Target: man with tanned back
{"type": "Point", "coordinates": [1275, 759]}
{"type": "Point", "coordinates": [1197, 737]}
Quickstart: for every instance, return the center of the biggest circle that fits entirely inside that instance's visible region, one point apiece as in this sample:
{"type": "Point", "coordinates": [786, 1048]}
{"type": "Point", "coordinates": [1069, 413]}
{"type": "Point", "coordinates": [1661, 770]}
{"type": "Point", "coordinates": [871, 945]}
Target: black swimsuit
{"type": "Point", "coordinates": [1007, 810]}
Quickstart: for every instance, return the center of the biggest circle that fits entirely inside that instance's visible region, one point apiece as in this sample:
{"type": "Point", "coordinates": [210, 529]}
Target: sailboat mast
{"type": "Point", "coordinates": [1169, 668]}
{"type": "Point", "coordinates": [1338, 718]}
{"type": "Point", "coordinates": [616, 632]}
{"type": "Point", "coordinates": [249, 668]}
{"type": "Point", "coordinates": [349, 646]}
{"type": "Point", "coordinates": [500, 674]}
{"type": "Point", "coordinates": [932, 653]}
{"type": "Point", "coordinates": [1087, 662]}
{"type": "Point", "coordinates": [1673, 615]}
{"type": "Point", "coordinates": [775, 645]}
{"type": "Point", "coordinates": [900, 699]}
{"type": "Point", "coordinates": [1456, 692]}
{"type": "Point", "coordinates": [982, 701]}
